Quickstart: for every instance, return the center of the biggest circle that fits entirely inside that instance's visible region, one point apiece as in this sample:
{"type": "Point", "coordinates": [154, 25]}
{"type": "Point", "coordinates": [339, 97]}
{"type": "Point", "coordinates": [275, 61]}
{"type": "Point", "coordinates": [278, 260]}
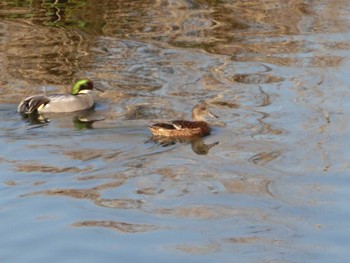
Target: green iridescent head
{"type": "Point", "coordinates": [81, 86]}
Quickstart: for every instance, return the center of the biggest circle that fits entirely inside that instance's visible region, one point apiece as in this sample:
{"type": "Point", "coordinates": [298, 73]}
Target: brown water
{"type": "Point", "coordinates": [275, 188]}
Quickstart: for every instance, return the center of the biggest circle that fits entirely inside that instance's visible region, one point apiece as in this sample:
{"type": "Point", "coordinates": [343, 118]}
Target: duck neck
{"type": "Point", "coordinates": [82, 92]}
{"type": "Point", "coordinates": [196, 117]}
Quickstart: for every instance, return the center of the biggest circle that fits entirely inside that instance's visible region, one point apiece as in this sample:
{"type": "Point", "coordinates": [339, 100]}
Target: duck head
{"type": "Point", "coordinates": [83, 86]}
{"type": "Point", "coordinates": [200, 111]}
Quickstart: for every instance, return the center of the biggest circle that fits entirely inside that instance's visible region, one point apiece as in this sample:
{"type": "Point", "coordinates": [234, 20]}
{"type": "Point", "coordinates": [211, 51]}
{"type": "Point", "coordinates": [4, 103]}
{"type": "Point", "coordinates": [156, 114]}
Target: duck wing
{"type": "Point", "coordinates": [163, 125]}
{"type": "Point", "coordinates": [182, 124]}
{"type": "Point", "coordinates": [176, 125]}
{"type": "Point", "coordinates": [32, 103]}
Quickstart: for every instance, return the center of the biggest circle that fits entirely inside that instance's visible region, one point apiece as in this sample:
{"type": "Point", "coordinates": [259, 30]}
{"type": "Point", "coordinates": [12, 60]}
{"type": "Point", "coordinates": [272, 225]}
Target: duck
{"type": "Point", "coordinates": [78, 99]}
{"type": "Point", "coordinates": [185, 128]}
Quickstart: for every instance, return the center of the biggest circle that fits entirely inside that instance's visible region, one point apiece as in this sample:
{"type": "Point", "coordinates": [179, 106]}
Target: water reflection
{"type": "Point", "coordinates": [117, 226]}
{"type": "Point", "coordinates": [264, 157]}
{"type": "Point", "coordinates": [197, 143]}
{"type": "Point", "coordinates": [81, 120]}
{"type": "Point", "coordinates": [276, 73]}
{"type": "Point", "coordinates": [64, 39]}
{"type": "Point", "coordinates": [35, 119]}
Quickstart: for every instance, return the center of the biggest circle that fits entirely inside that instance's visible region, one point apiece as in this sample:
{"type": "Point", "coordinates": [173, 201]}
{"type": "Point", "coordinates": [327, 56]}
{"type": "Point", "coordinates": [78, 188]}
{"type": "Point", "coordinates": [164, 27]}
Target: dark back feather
{"type": "Point", "coordinates": [164, 125]}
{"type": "Point", "coordinates": [190, 124]}
{"type": "Point", "coordinates": [31, 104]}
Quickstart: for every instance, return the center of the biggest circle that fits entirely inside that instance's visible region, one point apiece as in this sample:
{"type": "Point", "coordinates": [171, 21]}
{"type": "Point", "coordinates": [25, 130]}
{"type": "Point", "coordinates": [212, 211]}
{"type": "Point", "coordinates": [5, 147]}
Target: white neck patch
{"type": "Point", "coordinates": [84, 91]}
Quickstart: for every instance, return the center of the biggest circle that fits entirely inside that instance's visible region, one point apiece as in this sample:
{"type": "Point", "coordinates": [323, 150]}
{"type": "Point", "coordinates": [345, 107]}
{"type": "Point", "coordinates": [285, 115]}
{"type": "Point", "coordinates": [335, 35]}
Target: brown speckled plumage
{"type": "Point", "coordinates": [183, 128]}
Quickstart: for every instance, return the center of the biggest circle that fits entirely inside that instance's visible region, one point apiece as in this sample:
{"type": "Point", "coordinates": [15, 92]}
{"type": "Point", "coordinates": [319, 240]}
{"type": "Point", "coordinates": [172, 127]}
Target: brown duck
{"type": "Point", "coordinates": [183, 128]}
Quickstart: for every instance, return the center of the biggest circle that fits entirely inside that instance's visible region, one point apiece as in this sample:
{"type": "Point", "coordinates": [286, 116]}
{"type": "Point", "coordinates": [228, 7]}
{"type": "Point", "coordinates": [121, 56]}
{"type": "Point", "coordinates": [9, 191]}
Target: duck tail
{"type": "Point", "coordinates": [32, 103]}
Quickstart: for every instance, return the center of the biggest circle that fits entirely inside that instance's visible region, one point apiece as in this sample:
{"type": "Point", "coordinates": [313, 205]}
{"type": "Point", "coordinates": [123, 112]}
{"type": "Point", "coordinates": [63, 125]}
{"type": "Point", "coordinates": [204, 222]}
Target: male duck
{"type": "Point", "coordinates": [182, 128]}
{"type": "Point", "coordinates": [78, 99]}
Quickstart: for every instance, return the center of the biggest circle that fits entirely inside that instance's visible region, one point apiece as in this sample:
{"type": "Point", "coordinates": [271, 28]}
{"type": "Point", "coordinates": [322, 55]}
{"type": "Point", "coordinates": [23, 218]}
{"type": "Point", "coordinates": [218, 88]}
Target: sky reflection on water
{"type": "Point", "coordinates": [272, 190]}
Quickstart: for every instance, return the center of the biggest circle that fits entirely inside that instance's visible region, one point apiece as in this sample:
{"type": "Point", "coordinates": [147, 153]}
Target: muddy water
{"type": "Point", "coordinates": [94, 186]}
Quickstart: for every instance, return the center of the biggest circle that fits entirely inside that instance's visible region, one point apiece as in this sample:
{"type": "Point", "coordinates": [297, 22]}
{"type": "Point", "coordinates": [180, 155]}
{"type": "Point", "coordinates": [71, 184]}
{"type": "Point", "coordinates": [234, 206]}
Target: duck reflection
{"type": "Point", "coordinates": [35, 119]}
{"type": "Point", "coordinates": [81, 120]}
{"type": "Point", "coordinates": [200, 148]}
{"type": "Point", "coordinates": [197, 143]}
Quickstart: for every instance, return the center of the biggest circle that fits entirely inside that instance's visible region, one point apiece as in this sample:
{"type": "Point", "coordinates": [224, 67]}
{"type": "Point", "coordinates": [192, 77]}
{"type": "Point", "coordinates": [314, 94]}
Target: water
{"type": "Point", "coordinates": [274, 188]}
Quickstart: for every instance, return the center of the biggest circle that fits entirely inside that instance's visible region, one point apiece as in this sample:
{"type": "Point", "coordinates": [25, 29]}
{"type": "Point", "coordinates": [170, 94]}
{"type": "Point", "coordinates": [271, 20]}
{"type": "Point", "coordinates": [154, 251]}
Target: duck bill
{"type": "Point", "coordinates": [99, 89]}
{"type": "Point", "coordinates": [212, 115]}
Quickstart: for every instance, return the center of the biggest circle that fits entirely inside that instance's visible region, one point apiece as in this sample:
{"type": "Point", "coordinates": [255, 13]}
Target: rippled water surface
{"type": "Point", "coordinates": [270, 184]}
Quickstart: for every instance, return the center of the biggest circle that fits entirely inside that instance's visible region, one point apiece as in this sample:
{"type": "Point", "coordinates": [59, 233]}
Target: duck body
{"type": "Point", "coordinates": [56, 103]}
{"type": "Point", "coordinates": [184, 128]}
{"type": "Point", "coordinates": [180, 128]}
{"type": "Point", "coordinates": [78, 99]}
